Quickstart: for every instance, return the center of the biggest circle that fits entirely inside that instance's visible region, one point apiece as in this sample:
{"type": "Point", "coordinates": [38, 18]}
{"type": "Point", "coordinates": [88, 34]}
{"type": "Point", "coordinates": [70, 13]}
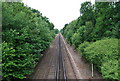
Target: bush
{"type": "Point", "coordinates": [82, 47]}
{"type": "Point", "coordinates": [26, 34]}
{"type": "Point", "coordinates": [16, 65]}
{"type": "Point", "coordinates": [109, 69]}
{"type": "Point", "coordinates": [104, 55]}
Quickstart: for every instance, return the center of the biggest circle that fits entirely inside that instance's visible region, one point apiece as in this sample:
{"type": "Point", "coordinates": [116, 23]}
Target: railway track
{"type": "Point", "coordinates": [61, 70]}
{"type": "Point", "coordinates": [58, 64]}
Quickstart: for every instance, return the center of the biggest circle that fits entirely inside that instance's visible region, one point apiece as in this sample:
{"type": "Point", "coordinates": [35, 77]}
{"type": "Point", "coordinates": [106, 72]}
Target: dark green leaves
{"type": "Point", "coordinates": [26, 33]}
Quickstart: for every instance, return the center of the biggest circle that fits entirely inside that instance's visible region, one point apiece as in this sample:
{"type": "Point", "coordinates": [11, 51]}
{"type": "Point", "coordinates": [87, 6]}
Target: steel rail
{"type": "Point", "coordinates": [61, 70]}
{"type": "Point", "coordinates": [63, 64]}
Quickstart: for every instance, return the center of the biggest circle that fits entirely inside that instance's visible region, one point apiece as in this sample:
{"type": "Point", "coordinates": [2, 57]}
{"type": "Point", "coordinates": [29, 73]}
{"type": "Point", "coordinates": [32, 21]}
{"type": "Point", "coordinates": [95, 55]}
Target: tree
{"type": "Point", "coordinates": [26, 34]}
{"type": "Point", "coordinates": [56, 31]}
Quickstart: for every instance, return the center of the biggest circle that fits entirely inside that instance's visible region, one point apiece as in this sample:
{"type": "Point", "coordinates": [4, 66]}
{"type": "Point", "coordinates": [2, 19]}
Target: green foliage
{"type": "Point", "coordinates": [69, 30]}
{"type": "Point", "coordinates": [26, 33]}
{"type": "Point", "coordinates": [82, 47]}
{"type": "Point", "coordinates": [99, 20]}
{"type": "Point", "coordinates": [110, 70]}
{"type": "Point", "coordinates": [105, 22]}
{"type": "Point", "coordinates": [16, 65]}
{"type": "Point", "coordinates": [95, 23]}
{"type": "Point", "coordinates": [104, 54]}
{"type": "Point", "coordinates": [82, 34]}
{"type": "Point", "coordinates": [56, 31]}
{"type": "Point", "coordinates": [75, 40]}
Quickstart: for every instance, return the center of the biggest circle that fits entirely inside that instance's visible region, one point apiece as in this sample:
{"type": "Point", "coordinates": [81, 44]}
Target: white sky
{"type": "Point", "coordinates": [59, 12]}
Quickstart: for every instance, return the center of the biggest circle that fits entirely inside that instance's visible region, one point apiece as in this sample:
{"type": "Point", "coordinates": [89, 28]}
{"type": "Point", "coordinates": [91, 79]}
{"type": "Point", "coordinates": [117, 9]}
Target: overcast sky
{"type": "Point", "coordinates": [59, 12]}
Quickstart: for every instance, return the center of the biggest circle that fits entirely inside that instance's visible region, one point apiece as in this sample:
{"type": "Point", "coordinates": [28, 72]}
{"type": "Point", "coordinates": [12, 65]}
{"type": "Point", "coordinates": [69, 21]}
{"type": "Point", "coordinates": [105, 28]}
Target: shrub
{"type": "Point", "coordinates": [16, 64]}
{"type": "Point", "coordinates": [82, 47]}
{"type": "Point", "coordinates": [104, 55]}
{"type": "Point", "coordinates": [109, 69]}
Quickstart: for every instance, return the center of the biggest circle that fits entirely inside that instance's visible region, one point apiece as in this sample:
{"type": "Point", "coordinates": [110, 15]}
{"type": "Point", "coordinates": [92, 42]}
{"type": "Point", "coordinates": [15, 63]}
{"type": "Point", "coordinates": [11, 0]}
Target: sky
{"type": "Point", "coordinates": [59, 12]}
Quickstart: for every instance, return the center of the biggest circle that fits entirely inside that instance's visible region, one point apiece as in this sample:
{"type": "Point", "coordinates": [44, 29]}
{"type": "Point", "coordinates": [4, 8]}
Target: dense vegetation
{"type": "Point", "coordinates": [56, 31]}
{"type": "Point", "coordinates": [95, 35]}
{"type": "Point", "coordinates": [104, 55]}
{"type": "Point", "coordinates": [26, 34]}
